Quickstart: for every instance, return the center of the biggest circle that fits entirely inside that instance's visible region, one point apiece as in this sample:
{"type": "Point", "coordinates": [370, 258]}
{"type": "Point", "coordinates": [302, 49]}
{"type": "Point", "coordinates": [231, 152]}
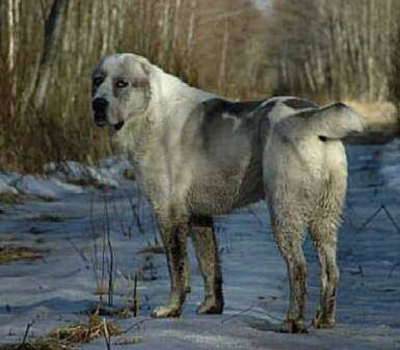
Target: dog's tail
{"type": "Point", "coordinates": [340, 121]}
{"type": "Point", "coordinates": [335, 122]}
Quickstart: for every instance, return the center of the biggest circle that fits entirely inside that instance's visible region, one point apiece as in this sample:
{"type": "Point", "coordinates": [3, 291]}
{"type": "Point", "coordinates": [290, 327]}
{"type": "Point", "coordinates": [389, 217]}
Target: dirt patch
{"type": "Point", "coordinates": [48, 218]}
{"type": "Point", "coordinates": [88, 183]}
{"type": "Point", "coordinates": [12, 254]}
{"type": "Point", "coordinates": [38, 230]}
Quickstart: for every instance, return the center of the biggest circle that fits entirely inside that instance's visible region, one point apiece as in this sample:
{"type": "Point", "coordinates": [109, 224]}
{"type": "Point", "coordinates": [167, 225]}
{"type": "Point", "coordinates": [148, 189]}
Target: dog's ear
{"type": "Point", "coordinates": [144, 64]}
{"type": "Point", "coordinates": [335, 121]}
{"type": "Point", "coordinates": [146, 68]}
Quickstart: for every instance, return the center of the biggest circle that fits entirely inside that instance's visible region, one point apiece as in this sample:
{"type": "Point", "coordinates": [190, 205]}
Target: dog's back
{"type": "Point", "coordinates": [223, 143]}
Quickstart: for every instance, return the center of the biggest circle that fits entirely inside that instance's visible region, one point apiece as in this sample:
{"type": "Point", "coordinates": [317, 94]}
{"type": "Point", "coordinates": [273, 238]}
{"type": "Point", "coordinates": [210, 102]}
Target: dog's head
{"type": "Point", "coordinates": [120, 89]}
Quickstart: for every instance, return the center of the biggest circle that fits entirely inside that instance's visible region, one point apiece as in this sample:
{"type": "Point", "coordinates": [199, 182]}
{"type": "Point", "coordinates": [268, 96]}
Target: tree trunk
{"type": "Point", "coordinates": [53, 33]}
{"type": "Point", "coordinates": [12, 24]}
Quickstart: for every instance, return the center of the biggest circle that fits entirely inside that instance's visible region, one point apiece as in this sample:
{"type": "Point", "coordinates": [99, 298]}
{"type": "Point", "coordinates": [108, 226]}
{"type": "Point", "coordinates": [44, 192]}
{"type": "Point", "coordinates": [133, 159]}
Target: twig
{"type": "Point", "coordinates": [254, 214]}
{"type": "Point", "coordinates": [394, 223]}
{"type": "Point", "coordinates": [394, 267]}
{"type": "Point", "coordinates": [137, 325]}
{"type": "Point", "coordinates": [134, 208]}
{"type": "Point", "coordinates": [372, 217]}
{"type": "Point", "coordinates": [28, 327]}
{"type": "Point", "coordinates": [135, 301]}
{"type": "Point", "coordinates": [125, 232]}
{"type": "Point", "coordinates": [103, 261]}
{"type": "Point", "coordinates": [81, 254]}
{"type": "Point", "coordinates": [361, 271]}
{"type": "Point", "coordinates": [369, 220]}
{"type": "Point", "coordinates": [95, 259]}
{"type": "Point", "coordinates": [111, 254]}
{"type": "Point", "coordinates": [391, 219]}
{"type": "Point", "coordinates": [107, 336]}
{"type": "Point", "coordinates": [237, 314]}
{"type": "Point", "coordinates": [349, 218]}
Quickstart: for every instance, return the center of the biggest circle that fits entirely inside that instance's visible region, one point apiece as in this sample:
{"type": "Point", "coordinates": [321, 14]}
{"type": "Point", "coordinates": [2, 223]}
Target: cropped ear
{"type": "Point", "coordinates": [335, 121]}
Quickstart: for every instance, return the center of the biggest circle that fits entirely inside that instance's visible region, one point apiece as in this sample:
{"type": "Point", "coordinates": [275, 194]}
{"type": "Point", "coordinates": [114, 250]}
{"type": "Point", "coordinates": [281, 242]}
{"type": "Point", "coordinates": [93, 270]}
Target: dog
{"type": "Point", "coordinates": [197, 155]}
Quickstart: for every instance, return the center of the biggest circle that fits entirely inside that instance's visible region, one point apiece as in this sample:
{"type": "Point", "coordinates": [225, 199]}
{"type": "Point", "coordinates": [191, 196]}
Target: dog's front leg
{"type": "Point", "coordinates": [174, 234]}
{"type": "Point", "coordinates": [206, 247]}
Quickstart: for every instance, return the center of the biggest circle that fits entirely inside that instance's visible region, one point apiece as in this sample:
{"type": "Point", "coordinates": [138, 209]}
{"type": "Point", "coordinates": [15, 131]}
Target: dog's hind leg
{"type": "Point", "coordinates": [289, 237]}
{"type": "Point", "coordinates": [186, 276]}
{"type": "Point", "coordinates": [326, 251]}
{"type": "Point", "coordinates": [174, 234]}
{"type": "Point", "coordinates": [206, 247]}
{"type": "Point", "coordinates": [323, 231]}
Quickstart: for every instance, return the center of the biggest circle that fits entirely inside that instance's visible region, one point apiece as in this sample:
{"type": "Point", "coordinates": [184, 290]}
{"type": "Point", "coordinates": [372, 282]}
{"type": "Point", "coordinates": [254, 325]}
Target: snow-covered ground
{"type": "Point", "coordinates": [70, 228]}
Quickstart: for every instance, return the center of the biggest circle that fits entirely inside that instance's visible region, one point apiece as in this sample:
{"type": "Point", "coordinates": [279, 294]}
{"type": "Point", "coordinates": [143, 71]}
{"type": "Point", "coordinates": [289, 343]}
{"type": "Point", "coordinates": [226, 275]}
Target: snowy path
{"type": "Point", "coordinates": [51, 291]}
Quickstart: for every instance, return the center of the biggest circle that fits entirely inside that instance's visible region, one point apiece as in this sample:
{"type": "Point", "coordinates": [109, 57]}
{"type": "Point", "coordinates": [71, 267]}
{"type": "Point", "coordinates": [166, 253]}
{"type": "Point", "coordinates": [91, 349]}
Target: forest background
{"type": "Point", "coordinates": [326, 50]}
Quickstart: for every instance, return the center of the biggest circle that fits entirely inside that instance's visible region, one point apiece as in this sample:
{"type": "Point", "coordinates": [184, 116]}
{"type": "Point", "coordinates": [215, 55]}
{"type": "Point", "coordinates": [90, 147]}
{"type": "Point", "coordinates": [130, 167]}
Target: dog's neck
{"type": "Point", "coordinates": [169, 94]}
{"type": "Point", "coordinates": [171, 100]}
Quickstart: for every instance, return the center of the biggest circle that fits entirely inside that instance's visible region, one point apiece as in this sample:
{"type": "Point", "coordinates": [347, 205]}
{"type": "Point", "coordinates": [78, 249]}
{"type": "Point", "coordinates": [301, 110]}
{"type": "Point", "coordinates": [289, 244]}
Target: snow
{"type": "Point", "coordinates": [75, 172]}
{"type": "Point", "coordinates": [391, 165]}
{"type": "Point", "coordinates": [5, 186]}
{"type": "Point", "coordinates": [63, 178]}
{"type": "Point", "coordinates": [43, 188]}
{"type": "Point", "coordinates": [52, 291]}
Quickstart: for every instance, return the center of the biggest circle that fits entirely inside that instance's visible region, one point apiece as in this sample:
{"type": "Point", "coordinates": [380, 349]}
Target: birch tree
{"type": "Point", "coordinates": [335, 48]}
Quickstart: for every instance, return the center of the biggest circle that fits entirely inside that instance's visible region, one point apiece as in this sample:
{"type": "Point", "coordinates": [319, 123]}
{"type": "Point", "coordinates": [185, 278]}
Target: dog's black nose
{"type": "Point", "coordinates": [99, 105]}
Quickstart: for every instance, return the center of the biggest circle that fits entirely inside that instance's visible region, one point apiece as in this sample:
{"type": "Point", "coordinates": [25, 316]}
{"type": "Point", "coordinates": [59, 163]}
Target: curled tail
{"type": "Point", "coordinates": [333, 122]}
{"type": "Point", "coordinates": [336, 121]}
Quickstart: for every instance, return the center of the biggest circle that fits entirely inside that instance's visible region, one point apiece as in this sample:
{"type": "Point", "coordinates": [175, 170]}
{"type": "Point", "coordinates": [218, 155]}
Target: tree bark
{"type": "Point", "coordinates": [53, 33]}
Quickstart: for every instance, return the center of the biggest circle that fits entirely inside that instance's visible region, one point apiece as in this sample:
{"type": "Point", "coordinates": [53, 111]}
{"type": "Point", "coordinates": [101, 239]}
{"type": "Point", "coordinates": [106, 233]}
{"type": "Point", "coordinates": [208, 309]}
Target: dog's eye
{"type": "Point", "coordinates": [121, 84]}
{"type": "Point", "coordinates": [97, 81]}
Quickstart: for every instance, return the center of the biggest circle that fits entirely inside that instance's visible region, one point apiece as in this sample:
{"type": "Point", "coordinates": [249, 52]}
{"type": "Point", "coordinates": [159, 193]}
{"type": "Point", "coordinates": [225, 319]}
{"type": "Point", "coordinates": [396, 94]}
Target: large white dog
{"type": "Point", "coordinates": [197, 155]}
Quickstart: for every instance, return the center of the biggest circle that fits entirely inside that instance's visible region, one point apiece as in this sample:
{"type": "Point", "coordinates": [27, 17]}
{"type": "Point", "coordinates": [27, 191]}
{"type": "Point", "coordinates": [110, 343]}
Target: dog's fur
{"type": "Point", "coordinates": [197, 155]}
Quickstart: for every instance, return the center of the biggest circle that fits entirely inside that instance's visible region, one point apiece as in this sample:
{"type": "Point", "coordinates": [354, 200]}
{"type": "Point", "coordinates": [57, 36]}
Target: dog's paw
{"type": "Point", "coordinates": [323, 322]}
{"type": "Point", "coordinates": [292, 326]}
{"type": "Point", "coordinates": [211, 306]}
{"type": "Point", "coordinates": [167, 311]}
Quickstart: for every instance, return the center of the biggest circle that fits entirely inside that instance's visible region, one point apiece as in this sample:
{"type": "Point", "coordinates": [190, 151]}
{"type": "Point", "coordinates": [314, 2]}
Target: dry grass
{"type": "Point", "coordinates": [11, 198]}
{"type": "Point", "coordinates": [129, 175]}
{"type": "Point", "coordinates": [381, 119]}
{"type": "Point", "coordinates": [85, 332]}
{"type": "Point", "coordinates": [12, 254]}
{"type": "Point", "coordinates": [376, 112]}
{"type": "Point", "coordinates": [68, 337]}
{"type": "Point", "coordinates": [121, 313]}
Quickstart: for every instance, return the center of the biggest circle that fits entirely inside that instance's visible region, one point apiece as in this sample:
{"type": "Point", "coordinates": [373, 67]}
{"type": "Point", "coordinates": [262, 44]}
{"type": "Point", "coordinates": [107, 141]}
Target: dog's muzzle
{"type": "Point", "coordinates": [99, 107]}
